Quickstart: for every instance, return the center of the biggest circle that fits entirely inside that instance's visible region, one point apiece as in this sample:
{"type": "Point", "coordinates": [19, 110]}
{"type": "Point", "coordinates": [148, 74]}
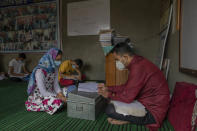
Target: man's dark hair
{"type": "Point", "coordinates": [79, 62]}
{"type": "Point", "coordinates": [122, 48]}
{"type": "Point", "coordinates": [22, 55]}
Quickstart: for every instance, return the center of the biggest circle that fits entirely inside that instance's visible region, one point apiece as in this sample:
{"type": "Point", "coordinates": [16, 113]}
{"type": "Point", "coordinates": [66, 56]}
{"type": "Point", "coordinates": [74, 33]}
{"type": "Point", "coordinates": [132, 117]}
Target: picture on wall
{"type": "Point", "coordinates": [4, 3]}
{"type": "Point", "coordinates": [29, 28]}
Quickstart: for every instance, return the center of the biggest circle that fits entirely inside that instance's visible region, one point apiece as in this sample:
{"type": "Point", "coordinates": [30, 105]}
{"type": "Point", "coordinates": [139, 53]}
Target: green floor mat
{"type": "Point", "coordinates": [14, 117]}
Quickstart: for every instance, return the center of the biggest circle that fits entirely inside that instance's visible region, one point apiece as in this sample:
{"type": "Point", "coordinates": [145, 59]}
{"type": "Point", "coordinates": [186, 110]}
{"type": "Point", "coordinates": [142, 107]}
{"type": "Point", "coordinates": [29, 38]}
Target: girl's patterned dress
{"type": "Point", "coordinates": [50, 104]}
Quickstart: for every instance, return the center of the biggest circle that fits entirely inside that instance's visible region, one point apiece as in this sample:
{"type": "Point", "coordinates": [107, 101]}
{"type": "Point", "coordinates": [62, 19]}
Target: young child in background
{"type": "Point", "coordinates": [17, 70]}
{"type": "Point", "coordinates": [70, 72]}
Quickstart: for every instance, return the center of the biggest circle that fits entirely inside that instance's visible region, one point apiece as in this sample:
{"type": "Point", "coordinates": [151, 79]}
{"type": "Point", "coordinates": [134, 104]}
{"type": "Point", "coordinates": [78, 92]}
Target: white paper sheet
{"type": "Point", "coordinates": [135, 108]}
{"type": "Point", "coordinates": [88, 17]}
{"type": "Point", "coordinates": [88, 87]}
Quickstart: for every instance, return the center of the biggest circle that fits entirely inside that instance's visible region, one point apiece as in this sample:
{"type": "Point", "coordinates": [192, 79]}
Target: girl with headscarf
{"type": "Point", "coordinates": [44, 92]}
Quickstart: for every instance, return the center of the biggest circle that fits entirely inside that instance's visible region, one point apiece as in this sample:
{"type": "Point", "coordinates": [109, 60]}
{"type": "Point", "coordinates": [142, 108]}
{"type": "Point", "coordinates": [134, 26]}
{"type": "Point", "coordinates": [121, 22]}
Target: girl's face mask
{"type": "Point", "coordinates": [57, 63]}
{"type": "Point", "coordinates": [74, 66]}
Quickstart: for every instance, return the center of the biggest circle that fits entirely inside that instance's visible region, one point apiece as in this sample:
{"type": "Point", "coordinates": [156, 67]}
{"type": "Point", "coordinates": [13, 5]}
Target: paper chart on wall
{"type": "Point", "coordinates": [88, 17]}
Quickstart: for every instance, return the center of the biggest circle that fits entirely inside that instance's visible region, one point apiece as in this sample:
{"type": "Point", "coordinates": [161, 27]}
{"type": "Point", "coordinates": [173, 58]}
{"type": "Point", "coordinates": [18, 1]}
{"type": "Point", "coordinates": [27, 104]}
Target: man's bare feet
{"type": "Point", "coordinates": [109, 119]}
{"type": "Point", "coordinates": [116, 122]}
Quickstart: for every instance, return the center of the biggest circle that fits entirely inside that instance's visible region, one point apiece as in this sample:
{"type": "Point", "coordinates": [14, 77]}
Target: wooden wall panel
{"type": "Point", "coordinates": [114, 76]}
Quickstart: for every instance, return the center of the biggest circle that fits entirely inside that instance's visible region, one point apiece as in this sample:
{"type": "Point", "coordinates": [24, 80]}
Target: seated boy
{"type": "Point", "coordinates": [70, 71]}
{"type": "Point", "coordinates": [17, 70]}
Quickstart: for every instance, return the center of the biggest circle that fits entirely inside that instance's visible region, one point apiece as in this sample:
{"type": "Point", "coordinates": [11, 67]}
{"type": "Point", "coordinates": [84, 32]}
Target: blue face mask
{"type": "Point", "coordinates": [74, 66]}
{"type": "Point", "coordinates": [57, 63]}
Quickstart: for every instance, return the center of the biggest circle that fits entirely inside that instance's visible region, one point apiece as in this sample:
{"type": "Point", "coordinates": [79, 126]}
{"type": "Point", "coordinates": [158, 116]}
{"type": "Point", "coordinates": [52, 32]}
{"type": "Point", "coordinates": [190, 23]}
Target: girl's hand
{"type": "Point", "coordinates": [59, 95]}
{"type": "Point", "coordinates": [63, 99]}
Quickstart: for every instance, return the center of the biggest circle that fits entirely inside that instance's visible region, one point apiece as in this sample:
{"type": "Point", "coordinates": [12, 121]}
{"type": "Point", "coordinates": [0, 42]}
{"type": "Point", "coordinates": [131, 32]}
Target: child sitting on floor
{"type": "Point", "coordinates": [70, 72]}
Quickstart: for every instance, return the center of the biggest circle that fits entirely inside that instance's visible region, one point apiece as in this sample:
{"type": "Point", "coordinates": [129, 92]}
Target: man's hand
{"type": "Point", "coordinates": [102, 90]}
{"type": "Point", "coordinates": [103, 93]}
{"type": "Point", "coordinates": [101, 85]}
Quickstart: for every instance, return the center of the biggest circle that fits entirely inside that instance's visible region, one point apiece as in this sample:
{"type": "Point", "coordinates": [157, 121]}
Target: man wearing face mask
{"type": "Point", "coordinates": [144, 98]}
{"type": "Point", "coordinates": [70, 71]}
{"type": "Point", "coordinates": [17, 70]}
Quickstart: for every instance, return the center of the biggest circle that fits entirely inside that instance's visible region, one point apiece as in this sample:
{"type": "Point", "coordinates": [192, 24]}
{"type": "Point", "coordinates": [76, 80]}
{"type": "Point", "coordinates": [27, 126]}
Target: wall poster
{"type": "Point", "coordinates": [29, 28]}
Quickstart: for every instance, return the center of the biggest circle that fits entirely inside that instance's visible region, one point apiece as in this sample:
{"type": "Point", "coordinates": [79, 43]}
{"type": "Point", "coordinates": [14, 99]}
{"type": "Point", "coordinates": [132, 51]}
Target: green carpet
{"type": "Point", "coordinates": [14, 117]}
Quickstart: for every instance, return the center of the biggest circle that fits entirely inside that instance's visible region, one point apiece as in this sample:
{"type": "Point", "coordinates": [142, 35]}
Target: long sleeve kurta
{"type": "Point", "coordinates": [147, 84]}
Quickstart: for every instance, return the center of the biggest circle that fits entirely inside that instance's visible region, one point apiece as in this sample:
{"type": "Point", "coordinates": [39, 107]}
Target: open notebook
{"type": "Point", "coordinates": [88, 87]}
